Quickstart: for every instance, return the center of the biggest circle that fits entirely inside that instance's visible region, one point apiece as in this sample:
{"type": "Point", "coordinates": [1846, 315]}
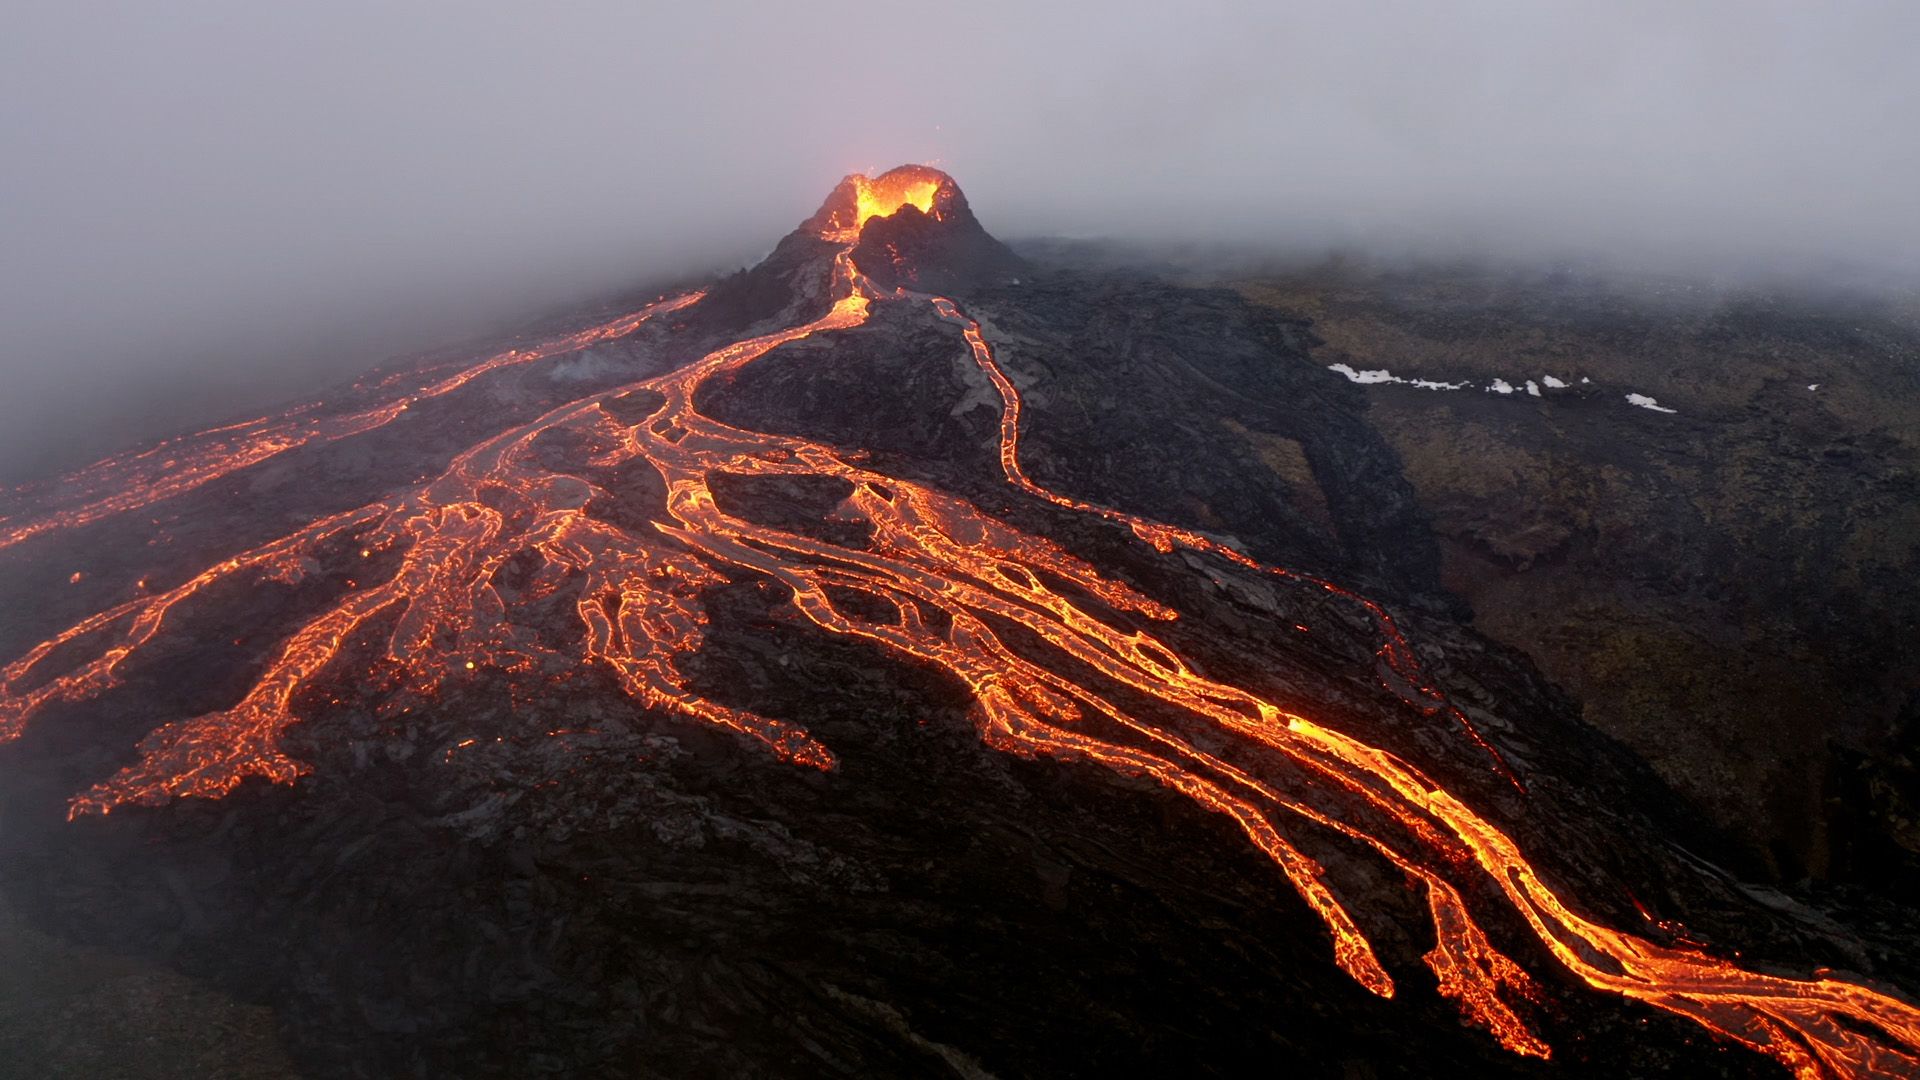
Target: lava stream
{"type": "Point", "coordinates": [957, 583]}
{"type": "Point", "coordinates": [129, 482]}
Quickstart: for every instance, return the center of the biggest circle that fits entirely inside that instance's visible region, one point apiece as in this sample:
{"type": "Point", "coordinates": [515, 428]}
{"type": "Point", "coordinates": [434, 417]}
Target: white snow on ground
{"type": "Point", "coordinates": [1365, 376]}
{"type": "Point", "coordinates": [1813, 386]}
{"type": "Point", "coordinates": [1383, 376]}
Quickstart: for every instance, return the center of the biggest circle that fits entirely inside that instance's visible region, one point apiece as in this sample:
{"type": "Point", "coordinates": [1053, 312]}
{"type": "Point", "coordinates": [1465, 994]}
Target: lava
{"type": "Point", "coordinates": [883, 196]}
{"type": "Point", "coordinates": [953, 581]}
{"type": "Point", "coordinates": [129, 482]}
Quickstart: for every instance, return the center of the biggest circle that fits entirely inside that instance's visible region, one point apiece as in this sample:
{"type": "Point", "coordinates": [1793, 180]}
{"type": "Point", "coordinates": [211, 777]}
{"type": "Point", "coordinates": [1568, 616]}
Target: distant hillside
{"type": "Point", "coordinates": [1747, 561]}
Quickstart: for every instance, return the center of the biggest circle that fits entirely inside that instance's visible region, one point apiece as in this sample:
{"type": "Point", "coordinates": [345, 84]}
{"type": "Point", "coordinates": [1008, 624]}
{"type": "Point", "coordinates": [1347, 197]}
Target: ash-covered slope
{"type": "Point", "coordinates": [784, 685]}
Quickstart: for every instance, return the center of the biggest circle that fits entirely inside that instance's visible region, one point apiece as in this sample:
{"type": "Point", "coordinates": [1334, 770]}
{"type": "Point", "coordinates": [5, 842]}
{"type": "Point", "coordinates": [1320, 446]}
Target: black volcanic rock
{"type": "Point", "coordinates": [1729, 589]}
{"type": "Point", "coordinates": [945, 250]}
{"type": "Point", "coordinates": [923, 253]}
{"type": "Point", "coordinates": [791, 285]}
{"type": "Point", "coordinates": [591, 887]}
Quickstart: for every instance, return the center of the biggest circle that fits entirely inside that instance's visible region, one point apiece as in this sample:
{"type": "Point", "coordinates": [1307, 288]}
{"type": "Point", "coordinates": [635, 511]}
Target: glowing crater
{"type": "Point", "coordinates": [883, 196]}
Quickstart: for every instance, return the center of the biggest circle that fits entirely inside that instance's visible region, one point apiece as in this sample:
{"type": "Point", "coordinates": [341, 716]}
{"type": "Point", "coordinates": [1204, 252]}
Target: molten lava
{"type": "Point", "coordinates": [131, 481]}
{"type": "Point", "coordinates": [951, 579]}
{"type": "Point", "coordinates": [883, 197]}
{"type": "Point", "coordinates": [860, 199]}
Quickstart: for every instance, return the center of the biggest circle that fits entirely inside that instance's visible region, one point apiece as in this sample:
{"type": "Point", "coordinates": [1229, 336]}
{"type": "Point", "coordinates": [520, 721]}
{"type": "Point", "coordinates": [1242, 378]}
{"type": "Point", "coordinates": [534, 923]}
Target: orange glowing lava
{"type": "Point", "coordinates": [860, 199]}
{"type": "Point", "coordinates": [884, 196]}
{"type": "Point", "coordinates": [952, 579]}
{"type": "Point", "coordinates": [129, 482]}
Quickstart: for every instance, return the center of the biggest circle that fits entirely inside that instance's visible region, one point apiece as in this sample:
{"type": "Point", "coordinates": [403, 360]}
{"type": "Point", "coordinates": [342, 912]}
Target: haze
{"type": "Point", "coordinates": [212, 205]}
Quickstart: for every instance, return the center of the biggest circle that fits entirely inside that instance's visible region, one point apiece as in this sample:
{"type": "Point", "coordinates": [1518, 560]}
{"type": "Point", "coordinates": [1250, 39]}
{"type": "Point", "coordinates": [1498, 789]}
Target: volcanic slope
{"type": "Point", "coordinates": [770, 694]}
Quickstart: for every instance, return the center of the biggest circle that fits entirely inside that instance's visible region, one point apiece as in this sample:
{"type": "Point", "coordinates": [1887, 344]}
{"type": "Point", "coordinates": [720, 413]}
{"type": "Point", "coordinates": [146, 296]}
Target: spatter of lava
{"type": "Point", "coordinates": [947, 575]}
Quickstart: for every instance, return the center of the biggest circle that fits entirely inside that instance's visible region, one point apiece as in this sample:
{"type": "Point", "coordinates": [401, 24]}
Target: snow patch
{"type": "Point", "coordinates": [1375, 378]}
{"type": "Point", "coordinates": [1363, 377]}
{"type": "Point", "coordinates": [1813, 386]}
{"type": "Point", "coordinates": [1381, 377]}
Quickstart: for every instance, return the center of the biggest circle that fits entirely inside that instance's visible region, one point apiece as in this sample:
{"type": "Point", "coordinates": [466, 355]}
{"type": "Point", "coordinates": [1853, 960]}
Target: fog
{"type": "Point", "coordinates": [206, 205]}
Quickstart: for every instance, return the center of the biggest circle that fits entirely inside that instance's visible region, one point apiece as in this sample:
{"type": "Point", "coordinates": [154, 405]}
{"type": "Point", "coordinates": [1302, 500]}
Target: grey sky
{"type": "Point", "coordinates": [209, 198]}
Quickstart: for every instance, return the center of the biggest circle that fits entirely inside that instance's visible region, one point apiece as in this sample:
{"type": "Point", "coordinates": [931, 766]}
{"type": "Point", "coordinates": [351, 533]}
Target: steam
{"type": "Point", "coordinates": [223, 204]}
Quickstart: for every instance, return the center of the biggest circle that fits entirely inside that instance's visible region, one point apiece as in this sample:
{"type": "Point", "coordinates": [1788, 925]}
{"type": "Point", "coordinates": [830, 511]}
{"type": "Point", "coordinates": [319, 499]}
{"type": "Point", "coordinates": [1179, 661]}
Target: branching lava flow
{"type": "Point", "coordinates": [951, 578]}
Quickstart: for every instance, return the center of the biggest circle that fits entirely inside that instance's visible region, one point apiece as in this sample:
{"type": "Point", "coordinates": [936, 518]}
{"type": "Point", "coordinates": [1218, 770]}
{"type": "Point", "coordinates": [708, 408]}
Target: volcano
{"type": "Point", "coordinates": [874, 663]}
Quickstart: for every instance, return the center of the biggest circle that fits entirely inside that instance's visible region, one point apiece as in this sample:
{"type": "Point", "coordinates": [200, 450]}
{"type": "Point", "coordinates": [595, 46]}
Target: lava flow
{"type": "Point", "coordinates": [1047, 644]}
{"type": "Point", "coordinates": [129, 482]}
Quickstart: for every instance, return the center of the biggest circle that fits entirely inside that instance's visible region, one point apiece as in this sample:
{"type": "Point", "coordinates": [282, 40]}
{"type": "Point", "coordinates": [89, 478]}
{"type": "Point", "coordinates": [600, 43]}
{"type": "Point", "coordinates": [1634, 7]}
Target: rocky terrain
{"type": "Point", "coordinates": [1745, 562]}
{"type": "Point", "coordinates": [516, 877]}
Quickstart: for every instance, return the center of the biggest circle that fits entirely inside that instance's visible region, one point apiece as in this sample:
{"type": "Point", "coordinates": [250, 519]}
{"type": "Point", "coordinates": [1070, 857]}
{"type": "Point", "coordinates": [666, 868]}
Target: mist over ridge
{"type": "Point", "coordinates": [211, 207]}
